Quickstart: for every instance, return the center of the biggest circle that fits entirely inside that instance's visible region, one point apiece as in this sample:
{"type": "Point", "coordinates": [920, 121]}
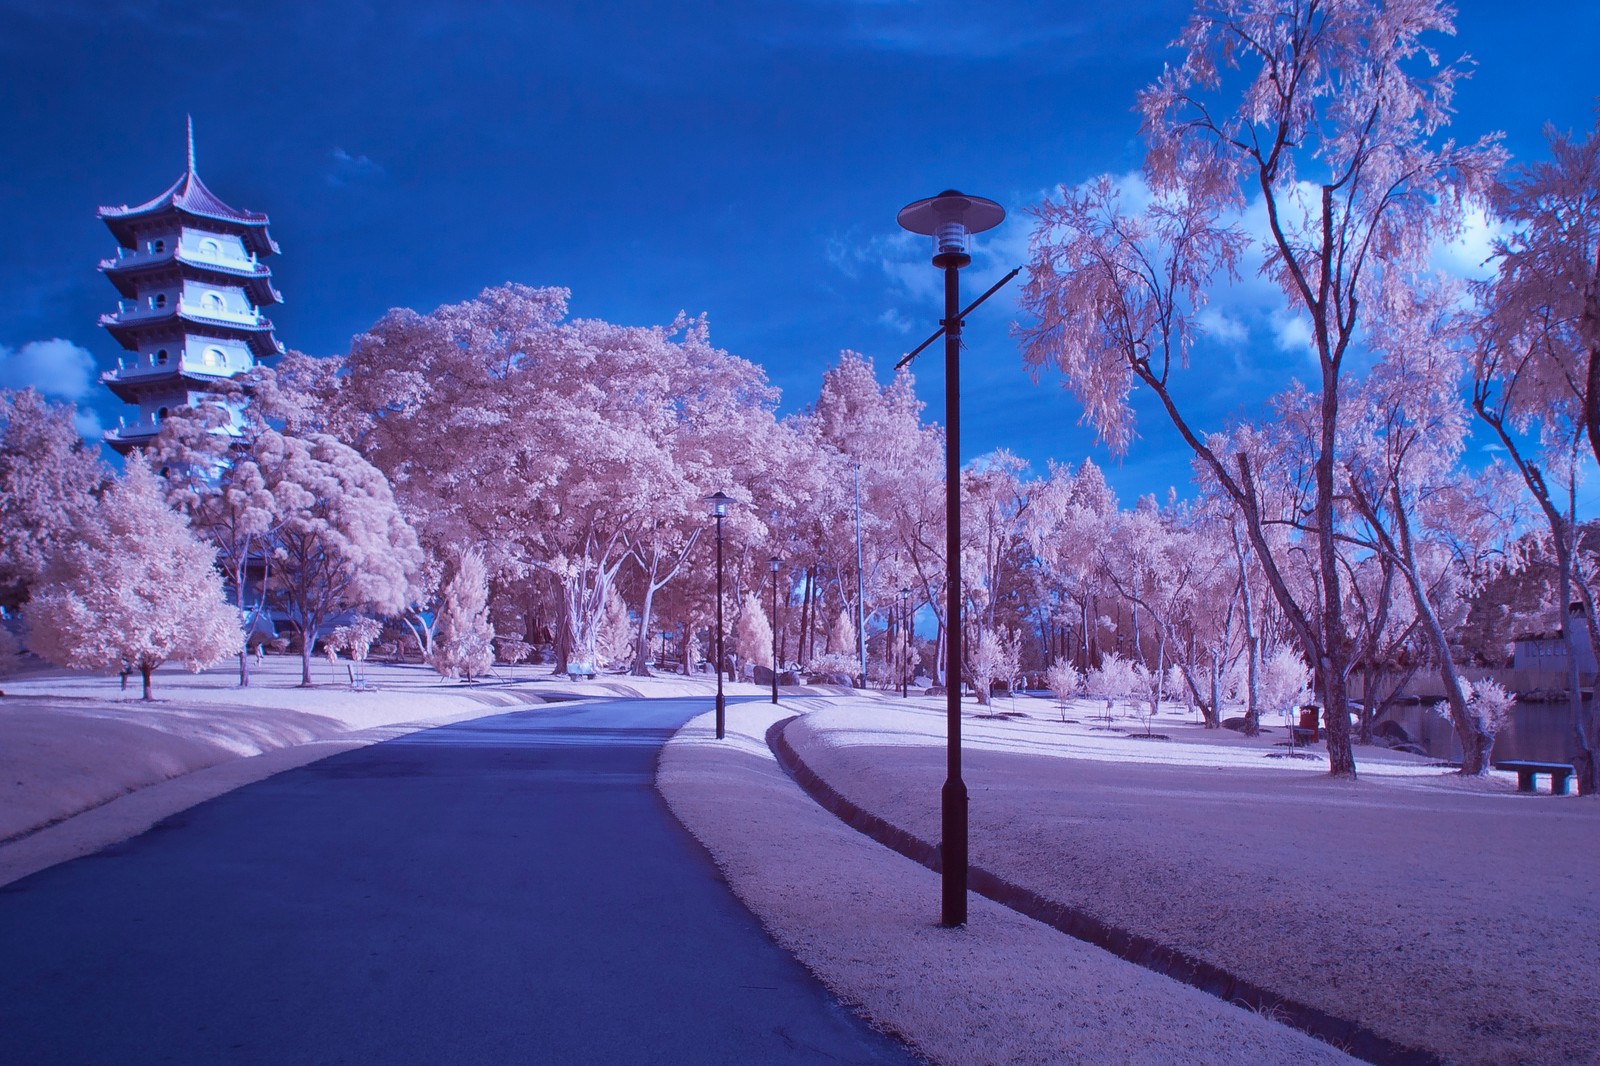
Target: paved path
{"type": "Point", "coordinates": [507, 890]}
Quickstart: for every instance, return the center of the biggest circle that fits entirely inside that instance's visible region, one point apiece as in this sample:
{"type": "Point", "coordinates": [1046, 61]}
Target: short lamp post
{"type": "Point", "coordinates": [719, 510]}
{"type": "Point", "coordinates": [905, 626]}
{"type": "Point", "coordinates": [950, 219]}
{"type": "Point", "coordinates": [774, 564]}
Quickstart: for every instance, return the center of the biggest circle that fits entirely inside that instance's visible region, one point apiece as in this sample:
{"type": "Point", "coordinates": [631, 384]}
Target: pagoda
{"type": "Point", "coordinates": [190, 271]}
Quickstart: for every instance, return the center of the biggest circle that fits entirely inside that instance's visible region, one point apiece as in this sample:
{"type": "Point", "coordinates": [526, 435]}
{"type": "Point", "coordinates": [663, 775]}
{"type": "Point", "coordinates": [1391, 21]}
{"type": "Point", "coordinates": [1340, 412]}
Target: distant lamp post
{"type": "Point", "coordinates": [950, 219]}
{"type": "Point", "coordinates": [905, 626]}
{"type": "Point", "coordinates": [774, 564]}
{"type": "Point", "coordinates": [719, 502]}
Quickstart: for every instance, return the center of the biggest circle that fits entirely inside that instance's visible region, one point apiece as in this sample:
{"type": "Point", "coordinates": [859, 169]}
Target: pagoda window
{"type": "Point", "coordinates": [209, 247]}
{"type": "Point", "coordinates": [160, 300]}
{"type": "Point", "coordinates": [212, 301]}
{"type": "Point", "coordinates": [215, 357]}
{"type": "Point", "coordinates": [158, 247]}
{"type": "Point", "coordinates": [161, 357]}
{"type": "Point", "coordinates": [161, 413]}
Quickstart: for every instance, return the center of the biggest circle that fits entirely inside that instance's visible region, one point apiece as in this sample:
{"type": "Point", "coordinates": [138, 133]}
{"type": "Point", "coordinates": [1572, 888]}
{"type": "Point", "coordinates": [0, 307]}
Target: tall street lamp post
{"type": "Point", "coordinates": [950, 219]}
{"type": "Point", "coordinates": [719, 510]}
{"type": "Point", "coordinates": [774, 564]}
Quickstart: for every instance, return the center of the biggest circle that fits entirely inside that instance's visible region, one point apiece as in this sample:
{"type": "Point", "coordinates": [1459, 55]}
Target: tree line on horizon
{"type": "Point", "coordinates": [495, 476]}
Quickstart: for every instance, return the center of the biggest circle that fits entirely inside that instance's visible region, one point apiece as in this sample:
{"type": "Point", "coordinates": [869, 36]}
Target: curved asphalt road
{"type": "Point", "coordinates": [506, 890]}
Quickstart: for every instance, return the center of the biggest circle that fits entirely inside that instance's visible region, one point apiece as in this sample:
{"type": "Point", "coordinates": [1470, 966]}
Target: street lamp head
{"type": "Point", "coordinates": [774, 563]}
{"type": "Point", "coordinates": [719, 501]}
{"type": "Point", "coordinates": [951, 218]}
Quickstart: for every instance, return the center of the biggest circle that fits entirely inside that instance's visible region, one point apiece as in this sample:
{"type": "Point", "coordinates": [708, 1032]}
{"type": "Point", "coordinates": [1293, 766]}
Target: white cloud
{"type": "Point", "coordinates": [1223, 327]}
{"type": "Point", "coordinates": [1291, 332]}
{"type": "Point", "coordinates": [349, 169]}
{"type": "Point", "coordinates": [895, 321]}
{"type": "Point", "coordinates": [56, 368]}
{"type": "Point", "coordinates": [1468, 255]}
{"type": "Point", "coordinates": [87, 422]}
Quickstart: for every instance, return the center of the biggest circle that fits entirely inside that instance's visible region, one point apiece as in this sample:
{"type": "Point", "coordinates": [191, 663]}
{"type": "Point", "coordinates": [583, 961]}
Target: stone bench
{"type": "Point", "coordinates": [1528, 772]}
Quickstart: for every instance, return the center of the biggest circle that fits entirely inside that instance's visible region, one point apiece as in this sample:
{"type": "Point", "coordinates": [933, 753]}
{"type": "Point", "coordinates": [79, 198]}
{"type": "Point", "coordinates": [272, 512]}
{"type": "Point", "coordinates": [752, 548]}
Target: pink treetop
{"type": "Point", "coordinates": [463, 643]}
{"type": "Point", "coordinates": [1542, 332]}
{"type": "Point", "coordinates": [1329, 113]}
{"type": "Point", "coordinates": [133, 588]}
{"type": "Point", "coordinates": [341, 543]}
{"type": "Point", "coordinates": [48, 479]}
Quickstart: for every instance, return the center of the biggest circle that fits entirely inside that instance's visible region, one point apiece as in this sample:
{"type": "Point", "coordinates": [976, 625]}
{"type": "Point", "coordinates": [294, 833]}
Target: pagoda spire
{"type": "Point", "coordinates": [191, 142]}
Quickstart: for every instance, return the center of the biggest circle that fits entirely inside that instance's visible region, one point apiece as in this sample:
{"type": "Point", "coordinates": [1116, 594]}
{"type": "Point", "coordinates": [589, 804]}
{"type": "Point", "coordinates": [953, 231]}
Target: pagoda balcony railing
{"type": "Point", "coordinates": [249, 317]}
{"type": "Point", "coordinates": [130, 310]}
{"type": "Point", "coordinates": [145, 255]}
{"type": "Point", "coordinates": [251, 267]}
{"type": "Point", "coordinates": [133, 366]}
{"type": "Point", "coordinates": [138, 426]}
{"type": "Point", "coordinates": [129, 366]}
{"type": "Point", "coordinates": [134, 309]}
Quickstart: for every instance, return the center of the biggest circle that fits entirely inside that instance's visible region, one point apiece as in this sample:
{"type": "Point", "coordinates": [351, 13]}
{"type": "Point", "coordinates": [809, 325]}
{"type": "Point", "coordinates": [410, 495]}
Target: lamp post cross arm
{"type": "Point", "coordinates": [960, 319]}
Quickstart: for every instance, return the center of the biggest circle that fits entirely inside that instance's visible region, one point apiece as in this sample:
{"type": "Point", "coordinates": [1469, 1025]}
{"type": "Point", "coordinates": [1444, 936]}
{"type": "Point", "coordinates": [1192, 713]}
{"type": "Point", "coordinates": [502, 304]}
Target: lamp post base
{"type": "Point", "coordinates": [953, 853]}
{"type": "Point", "coordinates": [722, 716]}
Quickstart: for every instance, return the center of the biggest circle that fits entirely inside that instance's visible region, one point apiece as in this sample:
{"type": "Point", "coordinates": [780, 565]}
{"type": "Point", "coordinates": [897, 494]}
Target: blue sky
{"type": "Point", "coordinates": [744, 160]}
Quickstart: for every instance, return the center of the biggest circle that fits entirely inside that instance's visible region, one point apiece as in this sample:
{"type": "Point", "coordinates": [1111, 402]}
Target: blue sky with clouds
{"type": "Point", "coordinates": [744, 160]}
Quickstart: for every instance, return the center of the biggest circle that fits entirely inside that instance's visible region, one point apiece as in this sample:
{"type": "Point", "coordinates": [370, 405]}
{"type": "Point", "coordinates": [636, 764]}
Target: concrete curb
{"type": "Point", "coordinates": [1353, 1038]}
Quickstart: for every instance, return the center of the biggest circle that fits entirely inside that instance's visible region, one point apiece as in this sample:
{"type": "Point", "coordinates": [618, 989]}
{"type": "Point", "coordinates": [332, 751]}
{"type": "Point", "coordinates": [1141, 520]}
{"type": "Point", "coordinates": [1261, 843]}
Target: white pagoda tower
{"type": "Point", "coordinates": [191, 273]}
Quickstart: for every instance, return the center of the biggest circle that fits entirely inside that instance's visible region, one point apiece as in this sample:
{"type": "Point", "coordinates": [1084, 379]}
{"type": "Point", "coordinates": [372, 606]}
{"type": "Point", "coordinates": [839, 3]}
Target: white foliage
{"type": "Point", "coordinates": [132, 586]}
{"type": "Point", "coordinates": [1065, 681]}
{"type": "Point", "coordinates": [1284, 680]}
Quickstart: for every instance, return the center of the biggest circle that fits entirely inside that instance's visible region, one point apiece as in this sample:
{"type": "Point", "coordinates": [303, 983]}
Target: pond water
{"type": "Point", "coordinates": [1541, 732]}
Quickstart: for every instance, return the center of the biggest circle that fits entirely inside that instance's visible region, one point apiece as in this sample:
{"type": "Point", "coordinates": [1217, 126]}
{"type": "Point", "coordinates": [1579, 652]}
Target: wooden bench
{"type": "Point", "coordinates": [1528, 772]}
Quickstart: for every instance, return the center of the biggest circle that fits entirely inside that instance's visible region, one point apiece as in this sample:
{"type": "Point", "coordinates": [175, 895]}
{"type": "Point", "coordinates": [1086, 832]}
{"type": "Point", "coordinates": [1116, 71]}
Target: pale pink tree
{"type": "Point", "coordinates": [1114, 679]}
{"type": "Point", "coordinates": [1065, 682]}
{"type": "Point", "coordinates": [356, 638]}
{"type": "Point", "coordinates": [861, 432]}
{"type": "Point", "coordinates": [132, 588]}
{"type": "Point", "coordinates": [48, 477]}
{"type": "Point", "coordinates": [1071, 514]}
{"type": "Point", "coordinates": [995, 656]}
{"type": "Point", "coordinates": [1537, 371]}
{"type": "Point", "coordinates": [213, 479]}
{"type": "Point", "coordinates": [1331, 115]}
{"type": "Point", "coordinates": [1285, 680]}
{"type": "Point", "coordinates": [1401, 462]}
{"type": "Point", "coordinates": [341, 543]}
{"type": "Point", "coordinates": [552, 446]}
{"type": "Point", "coordinates": [996, 496]}
{"type": "Point", "coordinates": [752, 635]}
{"type": "Point", "coordinates": [615, 645]}
{"type": "Point", "coordinates": [462, 645]}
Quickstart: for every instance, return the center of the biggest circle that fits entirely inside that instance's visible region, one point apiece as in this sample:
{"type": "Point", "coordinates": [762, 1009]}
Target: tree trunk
{"type": "Point", "coordinates": [563, 643]}
{"type": "Point", "coordinates": [305, 659]}
{"type": "Point", "coordinates": [244, 652]}
{"type": "Point", "coordinates": [1215, 714]}
{"type": "Point", "coordinates": [642, 647]}
{"type": "Point", "coordinates": [144, 675]}
{"type": "Point", "coordinates": [805, 618]}
{"type": "Point", "coordinates": [1252, 642]}
{"type": "Point", "coordinates": [1336, 717]}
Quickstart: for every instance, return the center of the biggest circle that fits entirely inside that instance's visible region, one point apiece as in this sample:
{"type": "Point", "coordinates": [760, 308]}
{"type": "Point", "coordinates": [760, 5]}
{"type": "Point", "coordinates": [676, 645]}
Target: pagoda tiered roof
{"type": "Point", "coordinates": [123, 439]}
{"type": "Point", "coordinates": [256, 331]}
{"type": "Point", "coordinates": [129, 386]}
{"type": "Point", "coordinates": [189, 196]}
{"type": "Point", "coordinates": [256, 276]}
